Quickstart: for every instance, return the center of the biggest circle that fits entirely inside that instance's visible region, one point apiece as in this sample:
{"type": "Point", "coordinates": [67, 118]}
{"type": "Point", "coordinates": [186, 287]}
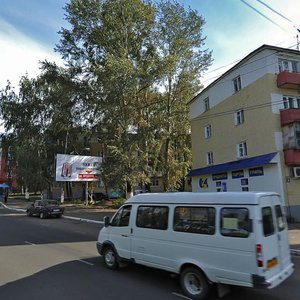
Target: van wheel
{"type": "Point", "coordinates": [194, 283]}
{"type": "Point", "coordinates": [110, 258]}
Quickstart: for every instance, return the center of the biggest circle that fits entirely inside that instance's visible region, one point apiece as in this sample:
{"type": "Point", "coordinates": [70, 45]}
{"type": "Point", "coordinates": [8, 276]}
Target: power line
{"type": "Point", "coordinates": [273, 10]}
{"type": "Point", "coordinates": [263, 15]}
{"type": "Point", "coordinates": [248, 63]}
{"type": "Point", "coordinates": [247, 108]}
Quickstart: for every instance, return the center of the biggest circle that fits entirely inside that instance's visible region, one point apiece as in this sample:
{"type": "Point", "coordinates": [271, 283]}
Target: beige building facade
{"type": "Point", "coordinates": [246, 128]}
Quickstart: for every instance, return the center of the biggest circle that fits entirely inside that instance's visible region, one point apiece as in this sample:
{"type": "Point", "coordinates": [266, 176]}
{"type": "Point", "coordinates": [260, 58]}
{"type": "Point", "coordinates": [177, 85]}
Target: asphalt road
{"type": "Point", "coordinates": [57, 259]}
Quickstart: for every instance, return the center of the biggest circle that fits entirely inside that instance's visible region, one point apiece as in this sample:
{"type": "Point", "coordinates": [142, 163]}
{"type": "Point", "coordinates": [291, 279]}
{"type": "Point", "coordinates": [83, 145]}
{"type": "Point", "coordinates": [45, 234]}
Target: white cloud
{"type": "Point", "coordinates": [20, 55]}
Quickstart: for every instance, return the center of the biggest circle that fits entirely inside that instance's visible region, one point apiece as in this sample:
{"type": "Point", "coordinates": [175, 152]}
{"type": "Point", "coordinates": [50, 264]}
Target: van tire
{"type": "Point", "coordinates": [110, 258]}
{"type": "Point", "coordinates": [194, 283]}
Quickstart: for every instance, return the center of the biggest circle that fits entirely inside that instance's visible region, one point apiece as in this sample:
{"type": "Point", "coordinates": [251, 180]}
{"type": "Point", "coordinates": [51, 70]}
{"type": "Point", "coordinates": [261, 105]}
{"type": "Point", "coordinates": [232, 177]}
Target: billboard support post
{"type": "Point", "coordinates": [86, 193]}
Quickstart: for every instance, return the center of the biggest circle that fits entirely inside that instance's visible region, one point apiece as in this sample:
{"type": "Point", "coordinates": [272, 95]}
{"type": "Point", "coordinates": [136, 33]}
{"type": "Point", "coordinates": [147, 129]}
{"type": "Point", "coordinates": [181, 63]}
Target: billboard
{"type": "Point", "coordinates": [77, 167]}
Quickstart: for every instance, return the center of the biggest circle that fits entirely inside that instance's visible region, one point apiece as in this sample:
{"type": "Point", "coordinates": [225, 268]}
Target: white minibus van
{"type": "Point", "coordinates": [230, 238]}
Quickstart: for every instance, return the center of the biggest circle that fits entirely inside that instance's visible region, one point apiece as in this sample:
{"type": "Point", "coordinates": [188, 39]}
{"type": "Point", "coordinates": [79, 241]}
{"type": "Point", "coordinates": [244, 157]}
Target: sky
{"type": "Point", "coordinates": [233, 29]}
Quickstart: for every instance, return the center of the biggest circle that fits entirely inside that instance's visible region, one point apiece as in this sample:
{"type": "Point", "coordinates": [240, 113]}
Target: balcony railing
{"type": "Point", "coordinates": [292, 156]}
{"type": "Point", "coordinates": [288, 80]}
{"type": "Point", "coordinates": [289, 115]}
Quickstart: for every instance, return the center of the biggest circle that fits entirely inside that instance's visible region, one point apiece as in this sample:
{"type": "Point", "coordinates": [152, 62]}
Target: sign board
{"type": "Point", "coordinates": [77, 167]}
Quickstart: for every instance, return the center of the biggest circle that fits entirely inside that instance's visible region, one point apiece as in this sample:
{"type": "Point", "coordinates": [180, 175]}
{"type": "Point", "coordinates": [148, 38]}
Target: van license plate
{"type": "Point", "coordinates": [272, 263]}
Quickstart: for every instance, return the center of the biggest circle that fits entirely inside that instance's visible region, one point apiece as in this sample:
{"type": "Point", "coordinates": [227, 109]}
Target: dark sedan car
{"type": "Point", "coordinates": [45, 208]}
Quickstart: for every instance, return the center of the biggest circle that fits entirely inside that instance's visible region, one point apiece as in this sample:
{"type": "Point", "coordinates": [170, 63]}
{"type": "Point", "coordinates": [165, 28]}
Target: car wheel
{"type": "Point", "coordinates": [194, 283]}
{"type": "Point", "coordinates": [42, 215]}
{"type": "Point", "coordinates": [110, 258]}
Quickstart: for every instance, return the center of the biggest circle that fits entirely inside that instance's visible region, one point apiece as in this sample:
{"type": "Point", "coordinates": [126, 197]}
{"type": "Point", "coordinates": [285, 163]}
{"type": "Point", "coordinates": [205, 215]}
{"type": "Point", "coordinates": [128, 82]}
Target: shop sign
{"type": "Point", "coordinates": [219, 176]}
{"type": "Point", "coordinates": [237, 174]}
{"type": "Point", "coordinates": [259, 171]}
{"type": "Point", "coordinates": [203, 183]}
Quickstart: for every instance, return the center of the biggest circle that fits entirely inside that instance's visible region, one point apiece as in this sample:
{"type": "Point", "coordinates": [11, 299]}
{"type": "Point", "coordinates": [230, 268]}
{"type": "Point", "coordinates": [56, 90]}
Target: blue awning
{"type": "Point", "coordinates": [235, 165]}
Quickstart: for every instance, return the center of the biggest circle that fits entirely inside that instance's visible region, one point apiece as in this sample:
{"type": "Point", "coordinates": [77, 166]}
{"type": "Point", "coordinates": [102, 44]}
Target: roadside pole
{"type": "Point", "coordinates": [86, 193]}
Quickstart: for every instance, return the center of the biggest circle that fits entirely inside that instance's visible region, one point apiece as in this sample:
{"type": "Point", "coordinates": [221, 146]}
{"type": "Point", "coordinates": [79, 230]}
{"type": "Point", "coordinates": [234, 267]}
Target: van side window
{"type": "Point", "coordinates": [155, 217]}
{"type": "Point", "coordinates": [194, 219]}
{"type": "Point", "coordinates": [280, 218]}
{"type": "Point", "coordinates": [121, 219]}
{"type": "Point", "coordinates": [235, 222]}
{"type": "Point", "coordinates": [267, 218]}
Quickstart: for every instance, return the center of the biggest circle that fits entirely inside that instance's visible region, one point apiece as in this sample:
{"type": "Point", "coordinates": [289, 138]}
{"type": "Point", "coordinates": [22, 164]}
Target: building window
{"type": "Point", "coordinates": [209, 158]}
{"type": "Point", "coordinates": [239, 117]}
{"type": "Point", "coordinates": [207, 131]}
{"type": "Point", "coordinates": [291, 102]}
{"type": "Point", "coordinates": [206, 104]}
{"type": "Point", "coordinates": [154, 182]}
{"type": "Point", "coordinates": [291, 136]}
{"type": "Point", "coordinates": [242, 150]}
{"type": "Point", "coordinates": [237, 84]}
{"type": "Point", "coordinates": [288, 65]}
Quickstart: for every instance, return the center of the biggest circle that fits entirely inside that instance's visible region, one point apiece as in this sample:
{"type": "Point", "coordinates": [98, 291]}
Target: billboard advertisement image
{"type": "Point", "coordinates": [77, 167]}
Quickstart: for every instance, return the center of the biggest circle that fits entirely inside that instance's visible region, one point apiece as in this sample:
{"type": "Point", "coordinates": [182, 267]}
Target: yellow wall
{"type": "Point", "coordinates": [257, 130]}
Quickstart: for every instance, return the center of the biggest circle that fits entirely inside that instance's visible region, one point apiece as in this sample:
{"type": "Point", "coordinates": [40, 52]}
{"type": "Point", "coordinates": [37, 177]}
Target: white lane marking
{"type": "Point", "coordinates": [29, 243]}
{"type": "Point", "coordinates": [85, 262]}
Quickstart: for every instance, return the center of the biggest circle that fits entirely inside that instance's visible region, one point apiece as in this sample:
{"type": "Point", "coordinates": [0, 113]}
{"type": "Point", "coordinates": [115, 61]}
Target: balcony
{"type": "Point", "coordinates": [288, 80]}
{"type": "Point", "coordinates": [289, 115]}
{"type": "Point", "coordinates": [292, 156]}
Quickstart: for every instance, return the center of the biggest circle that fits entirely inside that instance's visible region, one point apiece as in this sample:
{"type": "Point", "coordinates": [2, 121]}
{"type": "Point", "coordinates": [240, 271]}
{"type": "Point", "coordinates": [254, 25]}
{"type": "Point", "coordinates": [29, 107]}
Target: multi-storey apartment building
{"type": "Point", "coordinates": [246, 128]}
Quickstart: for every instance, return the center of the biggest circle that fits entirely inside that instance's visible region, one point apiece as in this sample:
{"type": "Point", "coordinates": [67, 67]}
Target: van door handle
{"type": "Point", "coordinates": [125, 235]}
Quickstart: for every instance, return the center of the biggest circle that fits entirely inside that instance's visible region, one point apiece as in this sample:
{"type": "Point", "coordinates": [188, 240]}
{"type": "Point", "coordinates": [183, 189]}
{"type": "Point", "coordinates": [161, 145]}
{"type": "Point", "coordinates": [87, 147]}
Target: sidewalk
{"type": "Point", "coordinates": [96, 214]}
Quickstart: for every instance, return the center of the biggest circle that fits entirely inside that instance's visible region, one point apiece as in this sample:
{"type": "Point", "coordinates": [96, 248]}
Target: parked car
{"type": "Point", "coordinates": [98, 196]}
{"type": "Point", "coordinates": [45, 209]}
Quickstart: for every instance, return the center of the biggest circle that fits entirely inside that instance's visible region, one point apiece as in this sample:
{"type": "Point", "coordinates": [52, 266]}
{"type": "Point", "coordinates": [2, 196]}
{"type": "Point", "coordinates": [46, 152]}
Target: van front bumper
{"type": "Point", "coordinates": [262, 282]}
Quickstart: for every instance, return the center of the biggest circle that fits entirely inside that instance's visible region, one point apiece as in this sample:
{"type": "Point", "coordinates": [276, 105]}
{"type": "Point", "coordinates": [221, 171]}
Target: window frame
{"type": "Point", "coordinates": [163, 225]}
{"type": "Point", "coordinates": [235, 234]}
{"type": "Point", "coordinates": [207, 131]}
{"type": "Point", "coordinates": [242, 149]}
{"type": "Point", "coordinates": [209, 158]}
{"type": "Point", "coordinates": [237, 84]}
{"type": "Point", "coordinates": [288, 65]}
{"type": "Point", "coordinates": [192, 225]}
{"type": "Point", "coordinates": [206, 104]}
{"type": "Point", "coordinates": [290, 102]}
{"type": "Point", "coordinates": [120, 216]}
{"type": "Point", "coordinates": [239, 117]}
{"type": "Point", "coordinates": [271, 230]}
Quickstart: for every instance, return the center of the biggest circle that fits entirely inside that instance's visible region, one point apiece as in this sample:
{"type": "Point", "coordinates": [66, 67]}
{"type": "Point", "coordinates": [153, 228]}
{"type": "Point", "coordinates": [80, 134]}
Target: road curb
{"type": "Point", "coordinates": [65, 217]}
{"type": "Point", "coordinates": [295, 252]}
{"type": "Point", "coordinates": [16, 209]}
{"type": "Point", "coordinates": [83, 220]}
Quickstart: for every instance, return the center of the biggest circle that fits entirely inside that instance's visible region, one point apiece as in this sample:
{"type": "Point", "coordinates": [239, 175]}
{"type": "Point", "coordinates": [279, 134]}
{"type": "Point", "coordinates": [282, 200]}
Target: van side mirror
{"type": "Point", "coordinates": [106, 221]}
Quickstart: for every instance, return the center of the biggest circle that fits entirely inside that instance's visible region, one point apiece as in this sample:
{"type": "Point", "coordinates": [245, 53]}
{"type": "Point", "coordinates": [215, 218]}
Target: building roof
{"type": "Point", "coordinates": [242, 61]}
{"type": "Point", "coordinates": [235, 165]}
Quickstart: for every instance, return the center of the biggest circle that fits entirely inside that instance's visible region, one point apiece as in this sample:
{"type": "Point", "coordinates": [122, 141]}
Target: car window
{"type": "Point", "coordinates": [267, 218]}
{"type": "Point", "coordinates": [122, 217]}
{"type": "Point", "coordinates": [154, 217]}
{"type": "Point", "coordinates": [280, 218]}
{"type": "Point", "coordinates": [235, 222]}
{"type": "Point", "coordinates": [199, 220]}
